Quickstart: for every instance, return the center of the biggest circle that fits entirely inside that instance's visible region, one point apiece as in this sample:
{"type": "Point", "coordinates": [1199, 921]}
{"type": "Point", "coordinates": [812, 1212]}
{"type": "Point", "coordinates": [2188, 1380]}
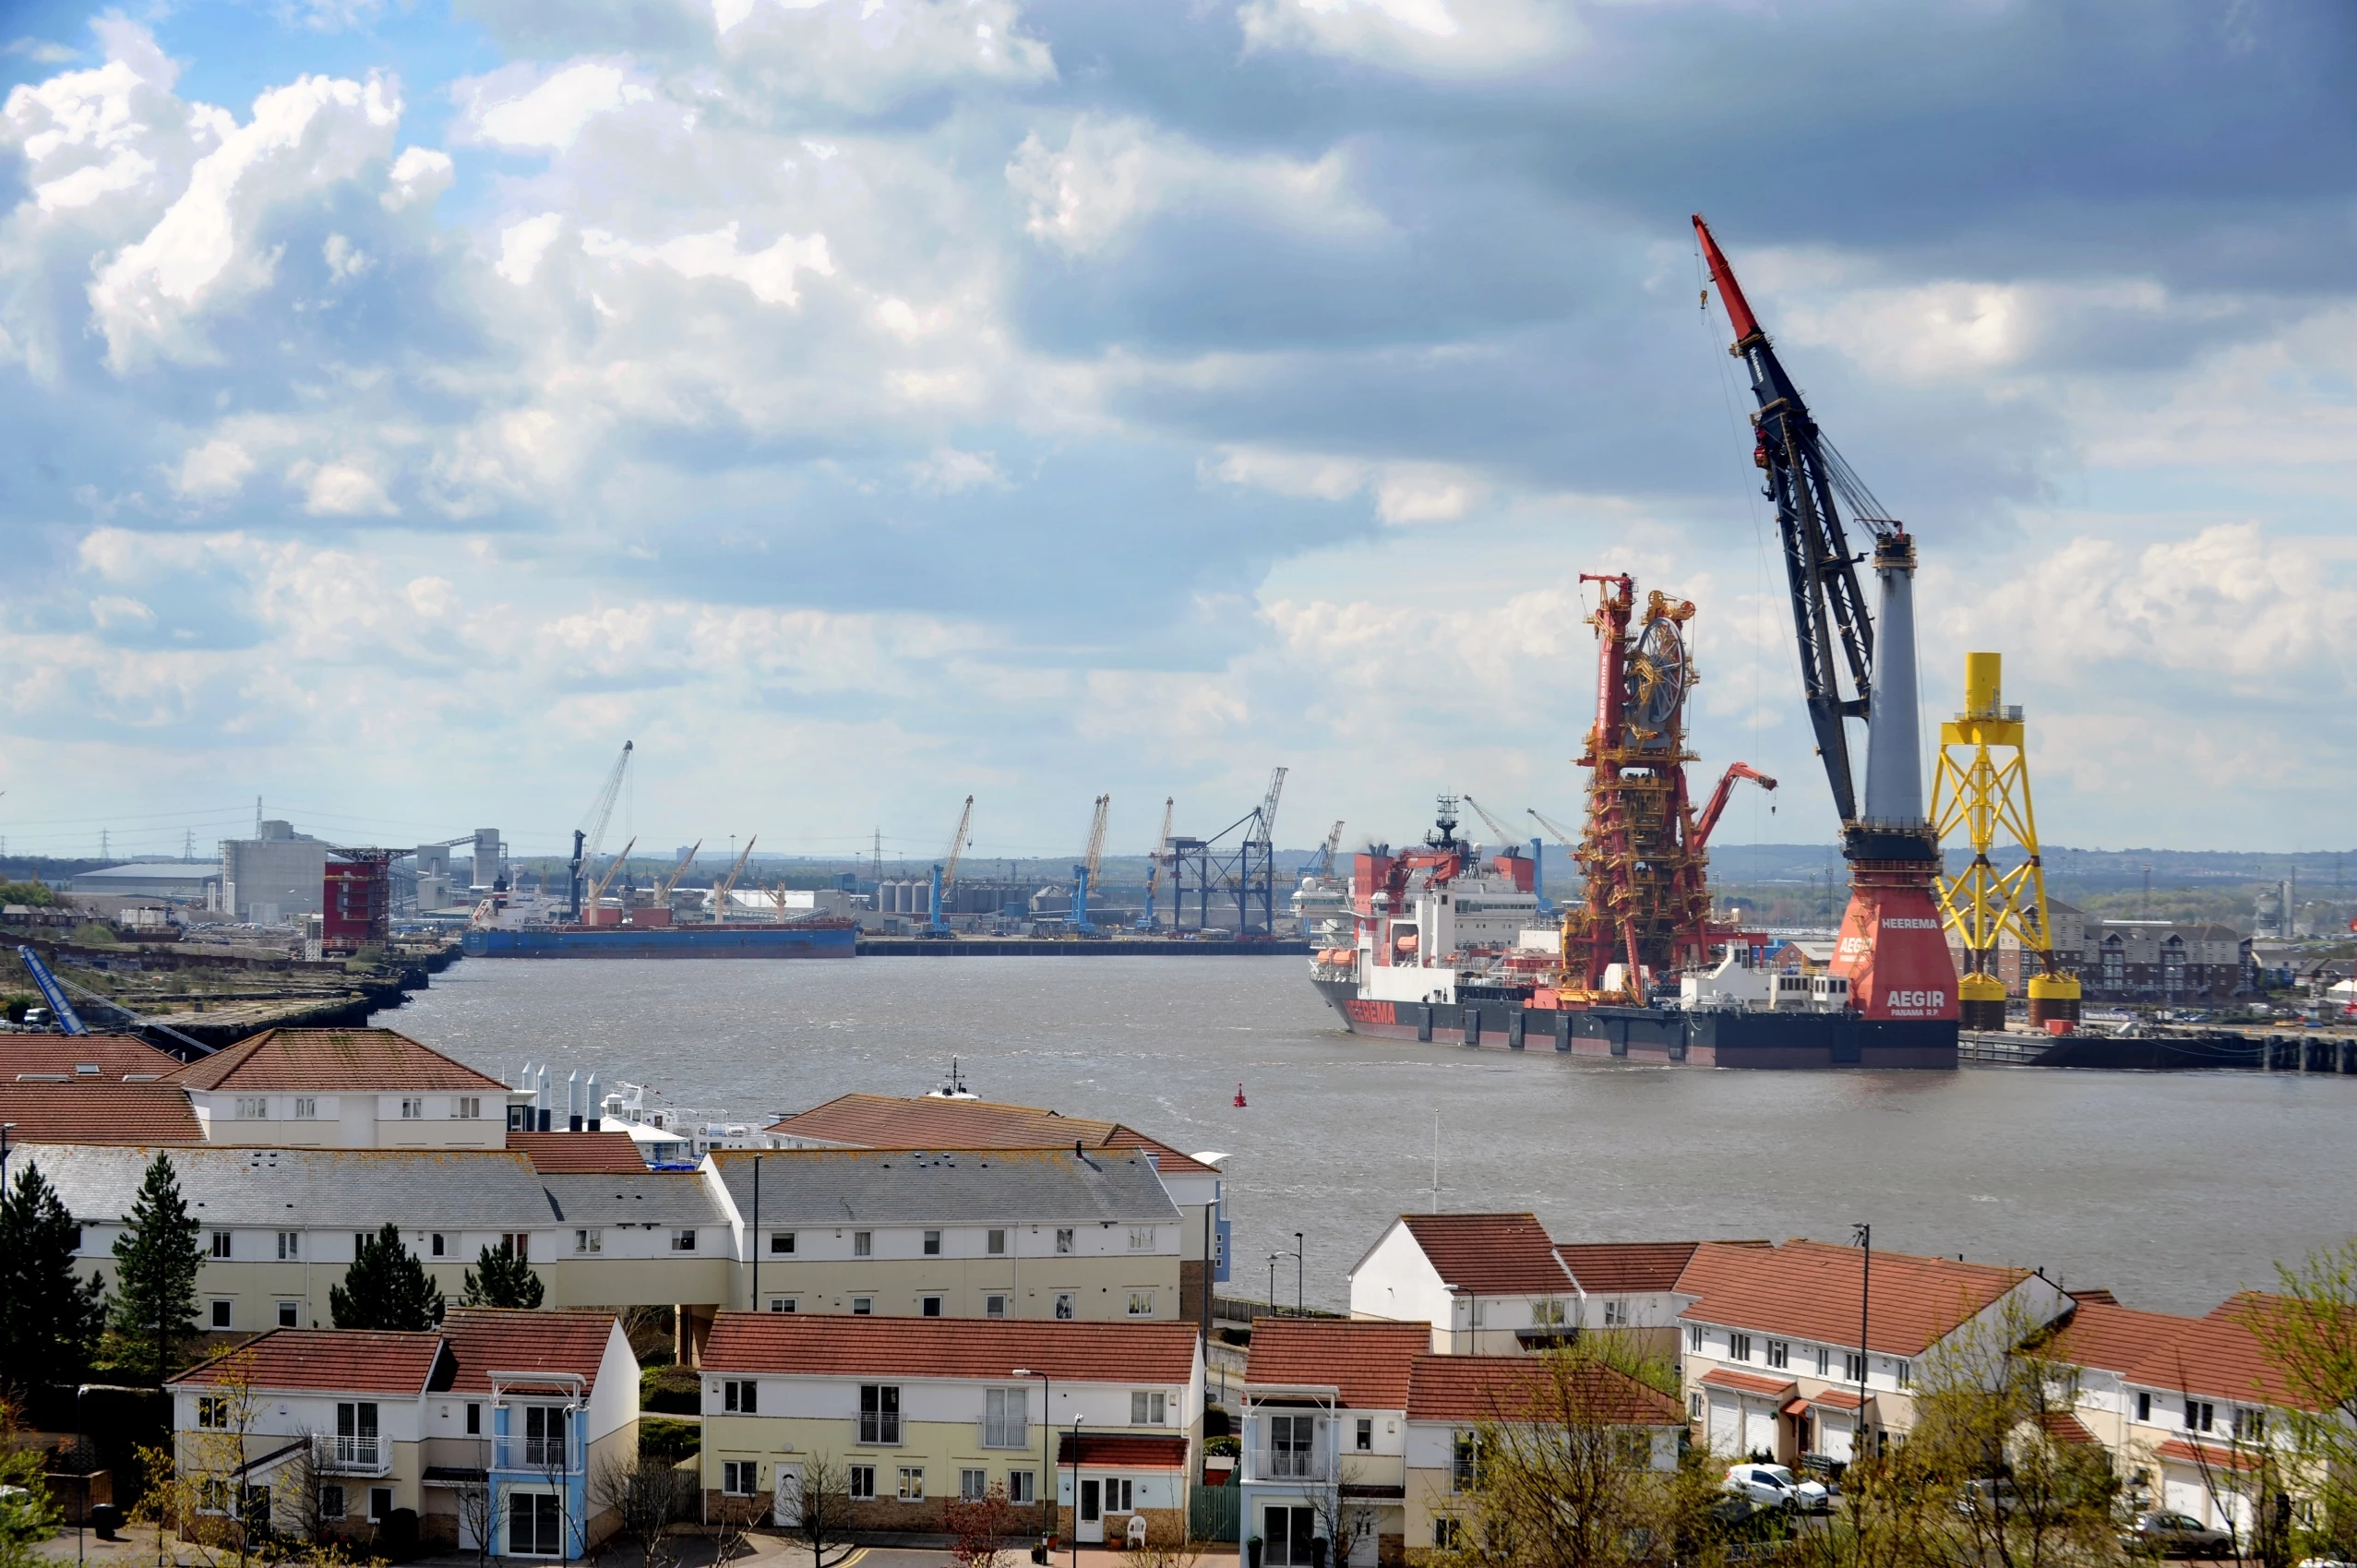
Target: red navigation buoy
{"type": "Point", "coordinates": [1240, 1096]}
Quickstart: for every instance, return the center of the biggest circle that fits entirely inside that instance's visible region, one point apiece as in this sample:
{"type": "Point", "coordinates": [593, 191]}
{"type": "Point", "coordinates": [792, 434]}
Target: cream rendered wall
{"type": "Point", "coordinates": [349, 1120]}
{"type": "Point", "coordinates": [272, 1416]}
{"type": "Point", "coordinates": [1100, 1287]}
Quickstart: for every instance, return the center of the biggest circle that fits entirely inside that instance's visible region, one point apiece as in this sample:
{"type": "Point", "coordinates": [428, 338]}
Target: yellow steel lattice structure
{"type": "Point", "coordinates": [1980, 795]}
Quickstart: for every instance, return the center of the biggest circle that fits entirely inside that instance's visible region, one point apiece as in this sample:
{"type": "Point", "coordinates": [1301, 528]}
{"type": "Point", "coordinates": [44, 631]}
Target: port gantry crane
{"type": "Point", "coordinates": [722, 888]}
{"type": "Point", "coordinates": [945, 878]}
{"type": "Point", "coordinates": [1153, 861]}
{"type": "Point", "coordinates": [1085, 875]}
{"type": "Point", "coordinates": [1891, 945]}
{"type": "Point", "coordinates": [1324, 865]}
{"type": "Point", "coordinates": [591, 835]}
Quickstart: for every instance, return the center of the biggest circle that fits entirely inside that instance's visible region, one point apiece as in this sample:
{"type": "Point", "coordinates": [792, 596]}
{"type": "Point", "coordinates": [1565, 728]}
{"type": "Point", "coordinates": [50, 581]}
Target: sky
{"type": "Point", "coordinates": [861, 404]}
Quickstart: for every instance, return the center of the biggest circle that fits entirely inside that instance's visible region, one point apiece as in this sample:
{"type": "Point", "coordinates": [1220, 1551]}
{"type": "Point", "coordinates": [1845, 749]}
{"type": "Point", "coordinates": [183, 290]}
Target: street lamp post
{"type": "Point", "coordinates": [1865, 1235]}
{"type": "Point", "coordinates": [1076, 1490]}
{"type": "Point", "coordinates": [1301, 1270]}
{"type": "Point", "coordinates": [1047, 1457]}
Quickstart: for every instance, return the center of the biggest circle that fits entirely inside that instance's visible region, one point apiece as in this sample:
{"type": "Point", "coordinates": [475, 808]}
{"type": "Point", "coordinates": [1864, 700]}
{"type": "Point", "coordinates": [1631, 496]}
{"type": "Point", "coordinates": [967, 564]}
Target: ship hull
{"type": "Point", "coordinates": [1785, 1041]}
{"type": "Point", "coordinates": [666, 941]}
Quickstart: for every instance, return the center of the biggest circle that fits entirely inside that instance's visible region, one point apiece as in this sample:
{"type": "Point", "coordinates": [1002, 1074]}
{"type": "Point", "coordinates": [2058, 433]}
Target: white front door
{"type": "Point", "coordinates": [1091, 1527]}
{"type": "Point", "coordinates": [785, 1512]}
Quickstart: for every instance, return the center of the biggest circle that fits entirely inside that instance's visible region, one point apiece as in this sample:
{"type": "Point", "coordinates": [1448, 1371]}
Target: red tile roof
{"type": "Point", "coordinates": [327, 1359]}
{"type": "Point", "coordinates": [2209, 1454]}
{"type": "Point", "coordinates": [2104, 1336]}
{"type": "Point", "coordinates": [487, 1340]}
{"type": "Point", "coordinates": [2063, 1426]}
{"type": "Point", "coordinates": [1367, 1361]}
{"type": "Point", "coordinates": [116, 1057]}
{"type": "Point", "coordinates": [2218, 1356]}
{"type": "Point", "coordinates": [883, 1121]}
{"type": "Point", "coordinates": [1626, 1268]}
{"type": "Point", "coordinates": [1490, 1255]}
{"type": "Point", "coordinates": [1811, 1289]}
{"type": "Point", "coordinates": [788, 1345]}
{"type": "Point", "coordinates": [1544, 1388]}
{"type": "Point", "coordinates": [580, 1154]}
{"type": "Point", "coordinates": [1123, 1451]}
{"type": "Point", "coordinates": [99, 1113]}
{"type": "Point", "coordinates": [358, 1061]}
{"type": "Point", "coordinates": [1748, 1383]}
{"type": "Point", "coordinates": [1835, 1399]}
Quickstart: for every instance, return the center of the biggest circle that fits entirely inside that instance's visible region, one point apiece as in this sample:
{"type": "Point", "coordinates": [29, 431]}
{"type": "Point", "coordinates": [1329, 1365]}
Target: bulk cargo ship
{"type": "Point", "coordinates": [527, 930]}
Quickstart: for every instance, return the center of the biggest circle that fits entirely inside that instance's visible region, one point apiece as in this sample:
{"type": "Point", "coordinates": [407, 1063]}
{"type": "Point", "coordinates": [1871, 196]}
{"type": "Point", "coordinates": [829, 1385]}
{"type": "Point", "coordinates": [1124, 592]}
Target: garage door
{"type": "Point", "coordinates": [1726, 1423]}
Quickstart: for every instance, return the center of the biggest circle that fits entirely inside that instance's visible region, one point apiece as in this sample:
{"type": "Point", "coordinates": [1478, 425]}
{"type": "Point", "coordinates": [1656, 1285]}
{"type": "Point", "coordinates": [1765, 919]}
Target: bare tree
{"type": "Point", "coordinates": [1343, 1520]}
{"type": "Point", "coordinates": [979, 1528]}
{"type": "Point", "coordinates": [820, 1504]}
{"type": "Point", "coordinates": [647, 1498]}
{"type": "Point", "coordinates": [479, 1517]}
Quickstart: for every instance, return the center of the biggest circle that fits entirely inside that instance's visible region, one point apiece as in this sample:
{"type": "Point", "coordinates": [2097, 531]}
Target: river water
{"type": "Point", "coordinates": [2172, 1189]}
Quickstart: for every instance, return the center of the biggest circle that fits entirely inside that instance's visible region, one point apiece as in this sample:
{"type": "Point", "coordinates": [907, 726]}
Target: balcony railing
{"type": "Point", "coordinates": [360, 1456]}
{"type": "Point", "coordinates": [1287, 1464]}
{"type": "Point", "coordinates": [548, 1455]}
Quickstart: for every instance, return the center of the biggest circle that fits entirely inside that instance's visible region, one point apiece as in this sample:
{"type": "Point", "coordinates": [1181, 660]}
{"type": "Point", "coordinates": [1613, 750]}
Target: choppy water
{"type": "Point", "coordinates": [2172, 1189]}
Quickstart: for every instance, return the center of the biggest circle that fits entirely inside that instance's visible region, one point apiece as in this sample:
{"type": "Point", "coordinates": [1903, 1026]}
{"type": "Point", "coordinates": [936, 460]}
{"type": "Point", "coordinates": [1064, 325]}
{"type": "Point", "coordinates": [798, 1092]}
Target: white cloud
{"type": "Point", "coordinates": [216, 469]}
{"type": "Point", "coordinates": [340, 489]}
{"type": "Point", "coordinates": [345, 260]}
{"type": "Point", "coordinates": [1405, 492]}
{"type": "Point", "coordinates": [867, 55]}
{"type": "Point", "coordinates": [419, 174]}
{"type": "Point", "coordinates": [949, 472]}
{"type": "Point", "coordinates": [1423, 37]}
{"type": "Point", "coordinates": [205, 251]}
{"type": "Point", "coordinates": [768, 273]}
{"type": "Point", "coordinates": [88, 135]}
{"type": "Point", "coordinates": [521, 244]}
{"type": "Point", "coordinates": [553, 112]}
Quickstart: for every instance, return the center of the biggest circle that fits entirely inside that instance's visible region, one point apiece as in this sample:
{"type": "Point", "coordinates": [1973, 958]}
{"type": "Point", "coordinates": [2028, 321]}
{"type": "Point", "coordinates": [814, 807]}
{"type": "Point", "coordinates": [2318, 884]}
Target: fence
{"type": "Point", "coordinates": [1215, 1513]}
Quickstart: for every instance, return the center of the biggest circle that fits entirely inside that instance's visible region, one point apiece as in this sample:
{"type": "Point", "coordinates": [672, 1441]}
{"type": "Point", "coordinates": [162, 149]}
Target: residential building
{"type": "Point", "coordinates": [2162, 961]}
{"type": "Point", "coordinates": [491, 1424]}
{"type": "Point", "coordinates": [904, 1415]}
{"type": "Point", "coordinates": [46, 1110]}
{"type": "Point", "coordinates": [1325, 1434]}
{"type": "Point", "coordinates": [345, 1088]}
{"type": "Point", "coordinates": [880, 1121]}
{"type": "Point", "coordinates": [1772, 1359]}
{"type": "Point", "coordinates": [1070, 1233]}
{"type": "Point", "coordinates": [1451, 1399]}
{"type": "Point", "coordinates": [85, 1060]}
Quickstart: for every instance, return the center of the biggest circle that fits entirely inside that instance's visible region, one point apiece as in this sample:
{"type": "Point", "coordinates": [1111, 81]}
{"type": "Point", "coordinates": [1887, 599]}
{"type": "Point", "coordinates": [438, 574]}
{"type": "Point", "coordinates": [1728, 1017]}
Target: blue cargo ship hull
{"type": "Point", "coordinates": [814, 941]}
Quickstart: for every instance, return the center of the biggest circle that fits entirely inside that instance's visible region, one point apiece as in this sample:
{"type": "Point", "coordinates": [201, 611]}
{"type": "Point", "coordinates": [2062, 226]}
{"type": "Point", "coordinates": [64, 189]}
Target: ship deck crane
{"type": "Point", "coordinates": [590, 837]}
{"type": "Point", "coordinates": [1155, 860]}
{"type": "Point", "coordinates": [1556, 831]}
{"type": "Point", "coordinates": [1506, 839]}
{"type": "Point", "coordinates": [1719, 796]}
{"type": "Point", "coordinates": [945, 876]}
{"type": "Point", "coordinates": [597, 889]}
{"type": "Point", "coordinates": [1085, 875]}
{"type": "Point", "coordinates": [663, 889]}
{"type": "Point", "coordinates": [722, 888]}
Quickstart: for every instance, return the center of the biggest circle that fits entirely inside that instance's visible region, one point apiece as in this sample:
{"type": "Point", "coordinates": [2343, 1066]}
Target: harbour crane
{"type": "Point", "coordinates": [1324, 865]}
{"type": "Point", "coordinates": [945, 878]}
{"type": "Point", "coordinates": [597, 889]}
{"type": "Point", "coordinates": [1155, 858]}
{"type": "Point", "coordinates": [663, 889]}
{"type": "Point", "coordinates": [1084, 874]}
{"type": "Point", "coordinates": [590, 837]}
{"type": "Point", "coordinates": [1718, 798]}
{"type": "Point", "coordinates": [720, 888]}
{"type": "Point", "coordinates": [1853, 665]}
{"type": "Point", "coordinates": [1268, 807]}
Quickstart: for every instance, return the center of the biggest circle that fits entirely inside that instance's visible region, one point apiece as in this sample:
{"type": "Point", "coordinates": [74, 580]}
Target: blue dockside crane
{"type": "Point", "coordinates": [945, 881]}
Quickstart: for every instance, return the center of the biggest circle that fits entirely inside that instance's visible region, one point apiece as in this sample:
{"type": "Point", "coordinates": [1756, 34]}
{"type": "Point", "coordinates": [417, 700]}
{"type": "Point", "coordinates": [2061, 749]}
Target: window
{"type": "Point", "coordinates": [2144, 1407]}
{"type": "Point", "coordinates": [331, 1505]}
{"type": "Point", "coordinates": [1141, 1239]}
{"type": "Point", "coordinates": [1366, 1434]}
{"type": "Point", "coordinates": [1853, 1367]}
{"type": "Point", "coordinates": [1147, 1406]}
{"type": "Point", "coordinates": [994, 1306]}
{"type": "Point", "coordinates": [863, 1243]}
{"type": "Point", "coordinates": [782, 1243]}
{"type": "Point", "coordinates": [212, 1411]}
{"type": "Point", "coordinates": [1019, 1487]}
{"type": "Point", "coordinates": [1693, 1336]}
{"type": "Point", "coordinates": [862, 1306]}
{"type": "Point", "coordinates": [932, 1243]}
{"type": "Point", "coordinates": [683, 1240]}
{"type": "Point", "coordinates": [1739, 1346]}
{"type": "Point", "coordinates": [307, 1110]}
{"type": "Point", "coordinates": [912, 1484]}
{"type": "Point", "coordinates": [591, 1240]}
{"type": "Point", "coordinates": [2250, 1426]}
{"type": "Point", "coordinates": [1694, 1405]}
{"type": "Point", "coordinates": [1118, 1495]}
{"type": "Point", "coordinates": [220, 1320]}
{"type": "Point", "coordinates": [741, 1395]}
{"type": "Point", "coordinates": [289, 1244]}
{"type": "Point", "coordinates": [1903, 1372]}
{"type": "Point", "coordinates": [380, 1504]}
{"type": "Point", "coordinates": [359, 1242]}
{"type": "Point", "coordinates": [1063, 1240]}
{"type": "Point", "coordinates": [1064, 1304]}
{"type": "Point", "coordinates": [740, 1477]}
{"type": "Point", "coordinates": [519, 1242]}
{"type": "Point", "coordinates": [1546, 1314]}
{"type": "Point", "coordinates": [863, 1483]}
{"type": "Point", "coordinates": [253, 1108]}
{"type": "Point", "coordinates": [783, 1304]}
{"type": "Point", "coordinates": [1293, 1447]}
{"type": "Point", "coordinates": [544, 1436]}
{"type": "Point", "coordinates": [879, 1413]}
{"type": "Point", "coordinates": [1824, 1360]}
{"type": "Point", "coordinates": [972, 1485]}
{"type": "Point", "coordinates": [1141, 1303]}
{"type": "Point", "coordinates": [473, 1419]}
{"type": "Point", "coordinates": [929, 1306]}
{"type": "Point", "coordinates": [221, 1243]}
{"type": "Point", "coordinates": [466, 1107]}
{"type": "Point", "coordinates": [436, 1247]}
{"type": "Point", "coordinates": [2198, 1412]}
{"type": "Point", "coordinates": [1005, 1417]}
{"type": "Point", "coordinates": [1464, 1461]}
{"type": "Point", "coordinates": [1616, 1313]}
{"type": "Point", "coordinates": [290, 1314]}
{"type": "Point", "coordinates": [412, 1107]}
{"type": "Point", "coordinates": [1444, 1533]}
{"type": "Point", "coordinates": [1779, 1354]}
{"type": "Point", "coordinates": [996, 1245]}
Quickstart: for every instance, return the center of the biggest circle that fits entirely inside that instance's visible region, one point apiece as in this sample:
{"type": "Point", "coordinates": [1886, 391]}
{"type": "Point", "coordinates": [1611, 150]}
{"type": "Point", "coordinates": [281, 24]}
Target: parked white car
{"type": "Point", "coordinates": [1775, 1486]}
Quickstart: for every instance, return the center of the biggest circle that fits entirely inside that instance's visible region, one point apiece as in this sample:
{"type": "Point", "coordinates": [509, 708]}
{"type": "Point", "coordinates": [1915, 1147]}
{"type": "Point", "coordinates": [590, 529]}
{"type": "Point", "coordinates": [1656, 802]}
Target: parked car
{"type": "Point", "coordinates": [1773, 1485]}
{"type": "Point", "coordinates": [1994, 1495]}
{"type": "Point", "coordinates": [2176, 1535]}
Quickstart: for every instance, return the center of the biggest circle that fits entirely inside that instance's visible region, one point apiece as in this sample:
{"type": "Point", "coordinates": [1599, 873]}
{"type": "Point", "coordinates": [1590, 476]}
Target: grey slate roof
{"type": "Point", "coordinates": [951, 1187]}
{"type": "Point", "coordinates": [661, 1198]}
{"type": "Point", "coordinates": [306, 1189]}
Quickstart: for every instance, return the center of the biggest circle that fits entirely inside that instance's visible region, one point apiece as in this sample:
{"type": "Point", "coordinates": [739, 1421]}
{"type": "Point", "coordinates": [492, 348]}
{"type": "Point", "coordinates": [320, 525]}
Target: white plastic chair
{"type": "Point", "coordinates": [1137, 1531]}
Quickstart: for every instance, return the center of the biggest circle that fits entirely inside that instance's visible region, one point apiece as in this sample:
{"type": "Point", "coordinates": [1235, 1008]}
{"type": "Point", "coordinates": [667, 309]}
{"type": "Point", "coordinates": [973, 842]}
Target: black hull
{"type": "Point", "coordinates": [1787, 1041]}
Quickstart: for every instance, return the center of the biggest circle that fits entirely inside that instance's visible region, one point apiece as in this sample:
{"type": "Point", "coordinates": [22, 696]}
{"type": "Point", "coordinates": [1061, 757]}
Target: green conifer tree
{"type": "Point", "coordinates": [386, 1287]}
{"type": "Point", "coordinates": [506, 1280]}
{"type": "Point", "coordinates": [52, 1316]}
{"type": "Point", "coordinates": [155, 1276]}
